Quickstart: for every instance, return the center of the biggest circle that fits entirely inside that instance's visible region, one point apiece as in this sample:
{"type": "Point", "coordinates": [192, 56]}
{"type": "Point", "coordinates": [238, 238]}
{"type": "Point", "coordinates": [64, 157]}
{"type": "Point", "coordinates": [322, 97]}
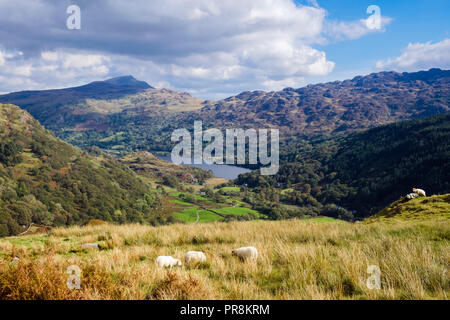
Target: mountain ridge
{"type": "Point", "coordinates": [122, 121]}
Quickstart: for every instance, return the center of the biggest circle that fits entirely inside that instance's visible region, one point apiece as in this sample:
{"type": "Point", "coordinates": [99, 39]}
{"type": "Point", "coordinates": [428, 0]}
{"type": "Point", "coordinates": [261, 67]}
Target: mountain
{"type": "Point", "coordinates": [131, 117]}
{"type": "Point", "coordinates": [44, 180]}
{"type": "Point", "coordinates": [339, 106]}
{"type": "Point", "coordinates": [116, 112]}
{"type": "Point", "coordinates": [57, 108]}
{"type": "Point", "coordinates": [360, 173]}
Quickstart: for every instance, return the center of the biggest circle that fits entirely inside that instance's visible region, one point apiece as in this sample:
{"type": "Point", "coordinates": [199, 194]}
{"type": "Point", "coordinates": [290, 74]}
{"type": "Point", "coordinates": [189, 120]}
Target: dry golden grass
{"type": "Point", "coordinates": [298, 260]}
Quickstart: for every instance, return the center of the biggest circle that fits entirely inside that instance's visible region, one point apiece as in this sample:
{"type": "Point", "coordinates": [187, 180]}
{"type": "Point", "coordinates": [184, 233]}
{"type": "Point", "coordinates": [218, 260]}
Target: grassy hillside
{"type": "Point", "coordinates": [422, 208]}
{"type": "Point", "coordinates": [148, 165]}
{"type": "Point", "coordinates": [44, 180]}
{"type": "Point", "coordinates": [298, 259]}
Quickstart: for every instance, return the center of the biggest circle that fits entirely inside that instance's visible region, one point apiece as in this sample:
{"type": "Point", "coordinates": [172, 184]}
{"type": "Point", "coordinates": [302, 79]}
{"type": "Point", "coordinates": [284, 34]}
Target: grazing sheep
{"type": "Point", "coordinates": [194, 256]}
{"type": "Point", "coordinates": [246, 253]}
{"type": "Point", "coordinates": [167, 262]}
{"type": "Point", "coordinates": [411, 196]}
{"type": "Point", "coordinates": [420, 192]}
{"type": "Point", "coordinates": [93, 246]}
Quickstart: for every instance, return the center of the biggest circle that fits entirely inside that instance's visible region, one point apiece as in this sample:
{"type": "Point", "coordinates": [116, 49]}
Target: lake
{"type": "Point", "coordinates": [219, 170]}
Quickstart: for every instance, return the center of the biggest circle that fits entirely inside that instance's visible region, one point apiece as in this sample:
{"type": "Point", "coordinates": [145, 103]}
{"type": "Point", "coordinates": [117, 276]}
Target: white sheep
{"type": "Point", "coordinates": [410, 196]}
{"type": "Point", "coordinates": [420, 192]}
{"type": "Point", "coordinates": [194, 256]}
{"type": "Point", "coordinates": [93, 246]}
{"type": "Point", "coordinates": [167, 262]}
{"type": "Point", "coordinates": [246, 253]}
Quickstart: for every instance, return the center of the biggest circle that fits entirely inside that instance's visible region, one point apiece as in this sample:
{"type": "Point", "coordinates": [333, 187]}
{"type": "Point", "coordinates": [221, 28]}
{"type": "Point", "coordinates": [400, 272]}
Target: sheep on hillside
{"type": "Point", "coordinates": [246, 253]}
{"type": "Point", "coordinates": [420, 192]}
{"type": "Point", "coordinates": [410, 196]}
{"type": "Point", "coordinates": [194, 256]}
{"type": "Point", "coordinates": [167, 262]}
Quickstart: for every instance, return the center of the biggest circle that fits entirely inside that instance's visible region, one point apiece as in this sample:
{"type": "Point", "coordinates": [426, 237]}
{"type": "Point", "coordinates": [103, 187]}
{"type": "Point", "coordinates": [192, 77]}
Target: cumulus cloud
{"type": "Point", "coordinates": [189, 45]}
{"type": "Point", "coordinates": [420, 56]}
{"type": "Point", "coordinates": [352, 30]}
{"type": "Point", "coordinates": [51, 69]}
{"type": "Point", "coordinates": [283, 83]}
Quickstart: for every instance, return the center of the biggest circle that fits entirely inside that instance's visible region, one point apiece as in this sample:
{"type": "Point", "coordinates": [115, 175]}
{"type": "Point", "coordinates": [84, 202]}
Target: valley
{"type": "Point", "coordinates": [336, 206]}
{"type": "Point", "coordinates": [232, 158]}
{"type": "Point", "coordinates": [346, 174]}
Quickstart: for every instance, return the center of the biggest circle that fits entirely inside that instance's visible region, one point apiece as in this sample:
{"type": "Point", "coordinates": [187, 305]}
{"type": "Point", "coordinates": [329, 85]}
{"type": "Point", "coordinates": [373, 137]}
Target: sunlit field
{"type": "Point", "coordinates": [297, 260]}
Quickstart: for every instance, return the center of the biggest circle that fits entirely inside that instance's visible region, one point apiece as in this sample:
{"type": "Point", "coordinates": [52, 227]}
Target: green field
{"type": "Point", "coordinates": [230, 189]}
{"type": "Point", "coordinates": [190, 216]}
{"type": "Point", "coordinates": [287, 190]}
{"type": "Point", "coordinates": [182, 202]}
{"type": "Point", "coordinates": [238, 211]}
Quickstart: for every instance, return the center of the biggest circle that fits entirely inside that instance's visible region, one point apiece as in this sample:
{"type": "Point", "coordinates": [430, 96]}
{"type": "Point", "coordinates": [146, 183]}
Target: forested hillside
{"type": "Point", "coordinates": [358, 174]}
{"type": "Point", "coordinates": [44, 180]}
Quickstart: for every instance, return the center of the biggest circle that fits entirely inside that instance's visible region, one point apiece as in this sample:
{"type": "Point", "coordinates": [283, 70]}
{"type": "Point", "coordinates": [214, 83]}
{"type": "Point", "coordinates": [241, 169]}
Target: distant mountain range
{"type": "Point", "coordinates": [123, 114]}
{"type": "Point", "coordinates": [339, 106]}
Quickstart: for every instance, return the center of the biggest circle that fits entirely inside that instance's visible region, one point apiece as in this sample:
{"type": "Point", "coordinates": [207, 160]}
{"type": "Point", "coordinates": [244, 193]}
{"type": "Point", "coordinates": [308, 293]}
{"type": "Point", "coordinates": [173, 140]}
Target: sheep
{"type": "Point", "coordinates": [411, 196]}
{"type": "Point", "coordinates": [167, 262]}
{"type": "Point", "coordinates": [93, 246]}
{"type": "Point", "coordinates": [246, 253]}
{"type": "Point", "coordinates": [420, 192]}
{"type": "Point", "coordinates": [194, 256]}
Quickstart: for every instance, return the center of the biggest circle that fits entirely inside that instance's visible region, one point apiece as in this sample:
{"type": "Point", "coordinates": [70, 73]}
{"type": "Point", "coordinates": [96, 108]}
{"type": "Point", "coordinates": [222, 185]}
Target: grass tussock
{"type": "Point", "coordinates": [297, 260]}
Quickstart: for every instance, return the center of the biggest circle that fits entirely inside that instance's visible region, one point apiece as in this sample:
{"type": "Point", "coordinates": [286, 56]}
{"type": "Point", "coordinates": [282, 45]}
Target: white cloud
{"type": "Point", "coordinates": [49, 56]}
{"type": "Point", "coordinates": [80, 61]}
{"type": "Point", "coordinates": [50, 69]}
{"type": "Point", "coordinates": [22, 70]}
{"type": "Point", "coordinates": [352, 30]}
{"type": "Point", "coordinates": [284, 83]}
{"type": "Point", "coordinates": [186, 45]}
{"type": "Point", "coordinates": [420, 56]}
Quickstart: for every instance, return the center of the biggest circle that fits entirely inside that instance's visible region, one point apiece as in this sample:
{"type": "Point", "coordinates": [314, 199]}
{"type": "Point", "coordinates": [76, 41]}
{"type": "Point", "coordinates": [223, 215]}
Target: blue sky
{"type": "Point", "coordinates": [412, 21]}
{"type": "Point", "coordinates": [214, 48]}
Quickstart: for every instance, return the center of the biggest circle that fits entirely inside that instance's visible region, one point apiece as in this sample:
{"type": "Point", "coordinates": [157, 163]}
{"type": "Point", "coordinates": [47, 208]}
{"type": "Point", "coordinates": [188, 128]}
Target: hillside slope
{"type": "Point", "coordinates": [423, 208]}
{"type": "Point", "coordinates": [44, 180]}
{"type": "Point", "coordinates": [148, 165]}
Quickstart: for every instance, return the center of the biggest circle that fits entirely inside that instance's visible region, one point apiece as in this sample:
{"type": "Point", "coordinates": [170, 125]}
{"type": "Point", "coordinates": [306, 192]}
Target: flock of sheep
{"type": "Point", "coordinates": [416, 193]}
{"type": "Point", "coordinates": [245, 253]}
